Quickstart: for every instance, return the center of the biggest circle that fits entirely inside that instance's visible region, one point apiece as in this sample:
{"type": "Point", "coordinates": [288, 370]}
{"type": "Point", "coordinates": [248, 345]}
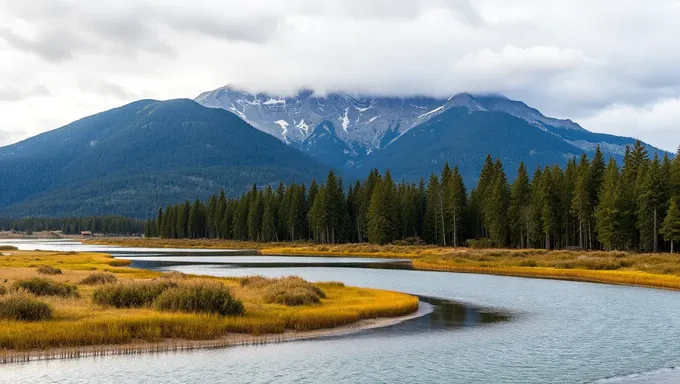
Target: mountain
{"type": "Point", "coordinates": [133, 159]}
{"type": "Point", "coordinates": [414, 136]}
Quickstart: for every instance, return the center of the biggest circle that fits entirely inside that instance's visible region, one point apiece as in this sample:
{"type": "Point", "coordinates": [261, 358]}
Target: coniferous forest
{"type": "Point", "coordinates": [74, 225]}
{"type": "Point", "coordinates": [592, 203]}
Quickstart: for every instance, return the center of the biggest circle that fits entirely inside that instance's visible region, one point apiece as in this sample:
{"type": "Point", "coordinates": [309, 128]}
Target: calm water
{"type": "Point", "coordinates": [559, 332]}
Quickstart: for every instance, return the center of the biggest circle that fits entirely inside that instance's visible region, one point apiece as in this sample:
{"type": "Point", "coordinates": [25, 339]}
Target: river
{"type": "Point", "coordinates": [557, 331]}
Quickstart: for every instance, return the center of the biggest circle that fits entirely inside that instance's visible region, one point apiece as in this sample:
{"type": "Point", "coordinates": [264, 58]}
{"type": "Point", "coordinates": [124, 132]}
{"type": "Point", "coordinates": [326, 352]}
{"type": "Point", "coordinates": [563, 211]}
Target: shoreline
{"type": "Point", "coordinates": [429, 258]}
{"type": "Point", "coordinates": [183, 345]}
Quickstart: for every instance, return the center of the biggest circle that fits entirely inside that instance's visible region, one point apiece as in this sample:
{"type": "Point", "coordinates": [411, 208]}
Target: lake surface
{"type": "Point", "coordinates": [555, 332]}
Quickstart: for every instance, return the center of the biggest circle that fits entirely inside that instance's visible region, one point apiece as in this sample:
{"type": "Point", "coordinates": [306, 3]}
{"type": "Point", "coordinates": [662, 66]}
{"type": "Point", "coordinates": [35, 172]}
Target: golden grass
{"type": "Point", "coordinates": [78, 322]}
{"type": "Point", "coordinates": [650, 270]}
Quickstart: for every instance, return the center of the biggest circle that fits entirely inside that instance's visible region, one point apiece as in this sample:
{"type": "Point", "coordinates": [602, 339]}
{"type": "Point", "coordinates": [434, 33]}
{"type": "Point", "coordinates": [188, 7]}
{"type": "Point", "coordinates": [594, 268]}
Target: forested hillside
{"type": "Point", "coordinates": [592, 203]}
{"type": "Point", "coordinates": [142, 155]}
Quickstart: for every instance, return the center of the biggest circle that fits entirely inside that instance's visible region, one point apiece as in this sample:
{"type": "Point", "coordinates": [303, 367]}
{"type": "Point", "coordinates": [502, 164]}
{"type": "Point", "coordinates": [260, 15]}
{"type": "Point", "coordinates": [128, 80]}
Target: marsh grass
{"type": "Point", "coordinates": [99, 278]}
{"type": "Point", "coordinates": [289, 290]}
{"type": "Point", "coordinates": [39, 286]}
{"type": "Point", "coordinates": [80, 322]}
{"type": "Point", "coordinates": [8, 248]}
{"type": "Point", "coordinates": [652, 270]}
{"type": "Point", "coordinates": [23, 307]}
{"type": "Point", "coordinates": [131, 294]}
{"type": "Point", "coordinates": [48, 270]}
{"type": "Point", "coordinates": [3, 290]}
{"type": "Point", "coordinates": [201, 297]}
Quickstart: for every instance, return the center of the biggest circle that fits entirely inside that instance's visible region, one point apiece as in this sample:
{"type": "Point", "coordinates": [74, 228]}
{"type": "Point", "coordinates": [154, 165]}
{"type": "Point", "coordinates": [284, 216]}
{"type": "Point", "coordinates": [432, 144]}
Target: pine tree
{"type": "Point", "coordinates": [269, 230]}
{"type": "Point", "coordinates": [431, 224]}
{"type": "Point", "coordinates": [496, 206]}
{"type": "Point", "coordinates": [607, 212]}
{"type": "Point", "coordinates": [671, 224]}
{"type": "Point", "coordinates": [195, 224]}
{"type": "Point", "coordinates": [382, 212]}
{"type": "Point", "coordinates": [650, 205]}
{"type": "Point", "coordinates": [255, 218]}
{"type": "Point", "coordinates": [520, 207]}
{"type": "Point", "coordinates": [219, 214]}
{"type": "Point", "coordinates": [581, 203]}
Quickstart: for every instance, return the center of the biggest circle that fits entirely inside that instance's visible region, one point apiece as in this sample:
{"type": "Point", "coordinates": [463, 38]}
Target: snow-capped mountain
{"type": "Point", "coordinates": [343, 128]}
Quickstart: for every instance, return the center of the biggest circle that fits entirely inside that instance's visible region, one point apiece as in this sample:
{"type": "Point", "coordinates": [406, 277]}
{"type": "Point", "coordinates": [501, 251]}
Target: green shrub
{"type": "Point", "coordinates": [8, 248]}
{"type": "Point", "coordinates": [205, 297]}
{"type": "Point", "coordinates": [99, 278]}
{"type": "Point", "coordinates": [45, 287]}
{"type": "Point", "coordinates": [131, 295]}
{"type": "Point", "coordinates": [49, 270]}
{"type": "Point", "coordinates": [23, 307]}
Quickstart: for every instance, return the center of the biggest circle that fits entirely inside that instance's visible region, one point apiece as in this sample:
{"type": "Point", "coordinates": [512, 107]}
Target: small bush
{"type": "Point", "coordinates": [49, 270]}
{"type": "Point", "coordinates": [131, 295]}
{"type": "Point", "coordinates": [99, 278]}
{"type": "Point", "coordinates": [8, 248]}
{"type": "Point", "coordinates": [206, 297]}
{"type": "Point", "coordinates": [24, 307]}
{"type": "Point", "coordinates": [45, 287]}
{"type": "Point", "coordinates": [3, 290]}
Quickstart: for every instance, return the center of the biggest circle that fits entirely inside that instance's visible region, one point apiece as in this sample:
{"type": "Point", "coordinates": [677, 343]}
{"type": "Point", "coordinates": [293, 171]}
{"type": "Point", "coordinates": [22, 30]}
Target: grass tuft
{"type": "Point", "coordinates": [203, 297]}
{"type": "Point", "coordinates": [45, 287]}
{"type": "Point", "coordinates": [3, 290]}
{"type": "Point", "coordinates": [48, 270]}
{"type": "Point", "coordinates": [131, 295]}
{"type": "Point", "coordinates": [22, 307]}
{"type": "Point", "coordinates": [99, 278]}
{"type": "Point", "coordinates": [290, 290]}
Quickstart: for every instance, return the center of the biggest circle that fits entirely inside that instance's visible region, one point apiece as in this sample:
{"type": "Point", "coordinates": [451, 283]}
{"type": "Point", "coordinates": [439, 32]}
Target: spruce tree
{"type": "Point", "coordinates": [431, 224]}
{"type": "Point", "coordinates": [651, 201]}
{"type": "Point", "coordinates": [671, 224]}
{"type": "Point", "coordinates": [520, 207]}
{"type": "Point", "coordinates": [607, 212]}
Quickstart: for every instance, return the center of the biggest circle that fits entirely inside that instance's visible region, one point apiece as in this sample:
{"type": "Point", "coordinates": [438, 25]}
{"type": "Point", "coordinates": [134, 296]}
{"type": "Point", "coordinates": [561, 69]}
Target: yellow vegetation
{"type": "Point", "coordinates": [76, 321]}
{"type": "Point", "coordinates": [650, 270]}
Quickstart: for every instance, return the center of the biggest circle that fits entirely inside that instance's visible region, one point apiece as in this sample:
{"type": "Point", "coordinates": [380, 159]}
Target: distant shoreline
{"type": "Point", "coordinates": [660, 271]}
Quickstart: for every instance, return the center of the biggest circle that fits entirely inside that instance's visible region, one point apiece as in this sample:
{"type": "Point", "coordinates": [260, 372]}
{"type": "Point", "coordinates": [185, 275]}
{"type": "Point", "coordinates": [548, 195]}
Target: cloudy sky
{"type": "Point", "coordinates": [611, 65]}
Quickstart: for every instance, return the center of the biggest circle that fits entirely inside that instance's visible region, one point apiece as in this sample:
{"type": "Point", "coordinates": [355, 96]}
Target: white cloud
{"type": "Point", "coordinates": [658, 123]}
{"type": "Point", "coordinates": [577, 59]}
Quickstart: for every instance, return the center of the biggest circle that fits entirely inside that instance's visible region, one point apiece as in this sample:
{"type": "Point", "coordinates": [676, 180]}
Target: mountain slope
{"type": "Point", "coordinates": [140, 156]}
{"type": "Point", "coordinates": [363, 132]}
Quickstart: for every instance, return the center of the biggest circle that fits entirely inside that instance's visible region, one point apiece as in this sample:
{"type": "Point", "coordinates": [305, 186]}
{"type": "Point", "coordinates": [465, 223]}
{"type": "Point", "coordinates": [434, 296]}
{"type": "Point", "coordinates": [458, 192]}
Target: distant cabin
{"type": "Point", "coordinates": [85, 233]}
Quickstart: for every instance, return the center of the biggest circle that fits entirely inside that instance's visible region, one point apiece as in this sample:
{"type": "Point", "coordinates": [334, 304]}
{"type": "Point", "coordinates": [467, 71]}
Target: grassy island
{"type": "Point", "coordinates": [62, 304]}
{"type": "Point", "coordinates": [661, 270]}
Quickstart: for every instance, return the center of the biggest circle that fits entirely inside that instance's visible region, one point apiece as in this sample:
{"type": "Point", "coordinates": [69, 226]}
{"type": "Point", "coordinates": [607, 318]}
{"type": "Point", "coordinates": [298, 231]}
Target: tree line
{"type": "Point", "coordinates": [590, 204]}
{"type": "Point", "coordinates": [74, 225]}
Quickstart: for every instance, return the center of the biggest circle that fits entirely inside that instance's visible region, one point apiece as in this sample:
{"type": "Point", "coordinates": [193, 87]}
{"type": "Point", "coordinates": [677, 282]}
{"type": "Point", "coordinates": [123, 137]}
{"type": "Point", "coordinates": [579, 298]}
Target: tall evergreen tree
{"type": "Point", "coordinates": [607, 212]}
{"type": "Point", "coordinates": [671, 224]}
{"type": "Point", "coordinates": [650, 206]}
{"type": "Point", "coordinates": [520, 208]}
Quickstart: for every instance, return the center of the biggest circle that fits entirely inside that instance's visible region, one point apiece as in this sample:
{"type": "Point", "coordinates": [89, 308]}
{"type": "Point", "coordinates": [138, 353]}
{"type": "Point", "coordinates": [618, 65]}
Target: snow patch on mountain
{"type": "Point", "coordinates": [345, 120]}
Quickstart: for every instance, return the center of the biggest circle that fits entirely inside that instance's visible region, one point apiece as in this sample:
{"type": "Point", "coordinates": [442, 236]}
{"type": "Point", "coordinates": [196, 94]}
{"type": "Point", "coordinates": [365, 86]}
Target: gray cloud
{"type": "Point", "coordinates": [619, 58]}
{"type": "Point", "coordinates": [11, 94]}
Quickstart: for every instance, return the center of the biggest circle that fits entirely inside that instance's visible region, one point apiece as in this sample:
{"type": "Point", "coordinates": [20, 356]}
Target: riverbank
{"type": "Point", "coordinates": [647, 270]}
{"type": "Point", "coordinates": [272, 310]}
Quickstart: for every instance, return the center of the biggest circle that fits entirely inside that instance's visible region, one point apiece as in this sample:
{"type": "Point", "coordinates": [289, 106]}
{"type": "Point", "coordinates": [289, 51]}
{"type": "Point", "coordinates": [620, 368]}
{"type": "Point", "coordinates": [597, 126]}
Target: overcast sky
{"type": "Point", "coordinates": [611, 65]}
